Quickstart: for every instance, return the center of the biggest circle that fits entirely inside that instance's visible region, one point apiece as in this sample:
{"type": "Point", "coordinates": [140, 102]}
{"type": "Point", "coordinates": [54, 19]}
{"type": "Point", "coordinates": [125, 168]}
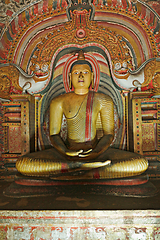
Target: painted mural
{"type": "Point", "coordinates": [39, 40]}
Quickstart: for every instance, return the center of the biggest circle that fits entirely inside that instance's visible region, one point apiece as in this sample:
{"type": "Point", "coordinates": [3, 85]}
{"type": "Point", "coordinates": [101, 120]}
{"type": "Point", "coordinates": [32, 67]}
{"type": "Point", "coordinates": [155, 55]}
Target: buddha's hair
{"type": "Point", "coordinates": [80, 62]}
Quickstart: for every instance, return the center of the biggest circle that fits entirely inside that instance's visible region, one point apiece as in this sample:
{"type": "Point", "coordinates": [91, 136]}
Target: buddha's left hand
{"type": "Point", "coordinates": [102, 146]}
{"type": "Point", "coordinates": [85, 154]}
{"type": "Point", "coordinates": [73, 153]}
{"type": "Point", "coordinates": [90, 154]}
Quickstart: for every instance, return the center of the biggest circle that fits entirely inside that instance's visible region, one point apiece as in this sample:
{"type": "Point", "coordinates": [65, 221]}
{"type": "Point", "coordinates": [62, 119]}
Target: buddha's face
{"type": "Point", "coordinates": [81, 76]}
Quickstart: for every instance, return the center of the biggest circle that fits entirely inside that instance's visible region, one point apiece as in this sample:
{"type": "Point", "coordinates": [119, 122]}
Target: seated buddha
{"type": "Point", "coordinates": [82, 155]}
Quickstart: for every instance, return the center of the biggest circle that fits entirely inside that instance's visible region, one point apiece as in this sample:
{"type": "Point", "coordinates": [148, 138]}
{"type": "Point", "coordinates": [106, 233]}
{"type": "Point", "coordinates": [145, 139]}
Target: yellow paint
{"type": "Point", "coordinates": [50, 3]}
{"type": "Point", "coordinates": [23, 17]}
{"type": "Point", "coordinates": [104, 69]}
{"type": "Point", "coordinates": [58, 72]}
{"type": "Point", "coordinates": [109, 2]}
{"type": "Point", "coordinates": [139, 7]}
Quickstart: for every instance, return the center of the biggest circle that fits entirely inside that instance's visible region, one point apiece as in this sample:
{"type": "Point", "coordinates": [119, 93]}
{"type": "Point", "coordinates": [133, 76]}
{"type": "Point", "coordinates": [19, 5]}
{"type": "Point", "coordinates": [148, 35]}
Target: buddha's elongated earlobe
{"type": "Point", "coordinates": [70, 81]}
{"type": "Point", "coordinates": [92, 76]}
{"type": "Point", "coordinates": [92, 84]}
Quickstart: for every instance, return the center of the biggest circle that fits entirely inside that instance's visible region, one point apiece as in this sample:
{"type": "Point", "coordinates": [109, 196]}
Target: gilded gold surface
{"type": "Point", "coordinates": [37, 167]}
{"type": "Point", "coordinates": [76, 130]}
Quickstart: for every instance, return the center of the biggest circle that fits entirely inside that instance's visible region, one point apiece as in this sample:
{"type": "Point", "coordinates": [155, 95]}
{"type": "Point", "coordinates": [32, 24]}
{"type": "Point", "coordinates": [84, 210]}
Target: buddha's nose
{"type": "Point", "coordinates": [80, 75]}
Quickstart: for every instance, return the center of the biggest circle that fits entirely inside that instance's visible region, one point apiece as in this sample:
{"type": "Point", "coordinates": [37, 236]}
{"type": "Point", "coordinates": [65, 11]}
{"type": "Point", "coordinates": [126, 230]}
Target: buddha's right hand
{"type": "Point", "coordinates": [73, 153]}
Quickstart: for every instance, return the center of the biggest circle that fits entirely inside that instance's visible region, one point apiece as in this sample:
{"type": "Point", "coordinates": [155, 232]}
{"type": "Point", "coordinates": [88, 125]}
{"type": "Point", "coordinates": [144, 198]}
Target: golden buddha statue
{"type": "Point", "coordinates": [82, 156]}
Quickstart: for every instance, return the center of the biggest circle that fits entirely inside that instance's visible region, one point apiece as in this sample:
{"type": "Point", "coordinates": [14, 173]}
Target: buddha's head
{"type": "Point", "coordinates": [81, 74]}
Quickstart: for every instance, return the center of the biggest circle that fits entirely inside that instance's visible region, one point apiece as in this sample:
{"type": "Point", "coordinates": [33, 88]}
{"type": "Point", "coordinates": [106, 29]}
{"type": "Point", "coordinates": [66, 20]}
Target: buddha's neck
{"type": "Point", "coordinates": [81, 91]}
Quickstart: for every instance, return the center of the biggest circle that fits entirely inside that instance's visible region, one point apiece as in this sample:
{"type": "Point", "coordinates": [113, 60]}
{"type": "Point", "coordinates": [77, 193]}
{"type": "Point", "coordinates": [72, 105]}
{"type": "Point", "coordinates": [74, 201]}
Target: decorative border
{"type": "Point", "coordinates": [1, 131]}
{"type": "Point", "coordinates": [137, 224]}
{"type": "Point", "coordinates": [148, 28]}
{"type": "Point", "coordinates": [137, 130]}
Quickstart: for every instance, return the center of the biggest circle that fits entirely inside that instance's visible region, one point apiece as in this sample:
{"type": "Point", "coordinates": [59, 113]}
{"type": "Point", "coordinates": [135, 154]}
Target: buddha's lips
{"type": "Point", "coordinates": [81, 80]}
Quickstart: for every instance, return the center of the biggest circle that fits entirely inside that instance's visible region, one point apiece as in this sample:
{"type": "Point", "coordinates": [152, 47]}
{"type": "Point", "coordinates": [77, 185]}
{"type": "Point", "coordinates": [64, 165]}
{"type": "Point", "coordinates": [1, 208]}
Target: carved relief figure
{"type": "Point", "coordinates": [82, 156]}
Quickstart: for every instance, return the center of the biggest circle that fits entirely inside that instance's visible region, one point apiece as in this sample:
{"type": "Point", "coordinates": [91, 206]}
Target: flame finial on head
{"type": "Point", "coordinates": [80, 55]}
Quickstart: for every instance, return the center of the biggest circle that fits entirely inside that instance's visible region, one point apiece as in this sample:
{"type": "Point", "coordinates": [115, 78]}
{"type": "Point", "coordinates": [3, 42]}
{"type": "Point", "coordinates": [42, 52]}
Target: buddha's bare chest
{"type": "Point", "coordinates": [72, 107]}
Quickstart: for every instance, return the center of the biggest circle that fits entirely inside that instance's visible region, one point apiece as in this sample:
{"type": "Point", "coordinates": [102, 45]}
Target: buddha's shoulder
{"type": "Point", "coordinates": [61, 98]}
{"type": "Point", "coordinates": [102, 97]}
